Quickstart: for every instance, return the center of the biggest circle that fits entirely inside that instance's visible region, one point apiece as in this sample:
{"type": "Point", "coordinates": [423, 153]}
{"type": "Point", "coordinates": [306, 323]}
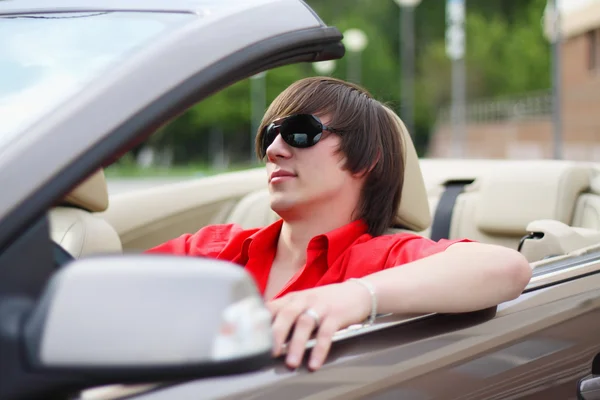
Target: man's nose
{"type": "Point", "coordinates": [279, 149]}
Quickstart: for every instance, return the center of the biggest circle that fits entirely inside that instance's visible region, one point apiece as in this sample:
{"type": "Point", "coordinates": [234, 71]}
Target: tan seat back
{"type": "Point", "coordinates": [74, 226]}
{"type": "Point", "coordinates": [500, 204]}
{"type": "Point", "coordinates": [254, 211]}
{"type": "Point", "coordinates": [414, 213]}
{"type": "Point", "coordinates": [587, 209]}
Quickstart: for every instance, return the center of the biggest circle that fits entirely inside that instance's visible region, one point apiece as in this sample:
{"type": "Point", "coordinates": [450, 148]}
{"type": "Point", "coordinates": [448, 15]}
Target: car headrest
{"type": "Point", "coordinates": [515, 194]}
{"type": "Point", "coordinates": [91, 194]}
{"type": "Point", "coordinates": [413, 213]}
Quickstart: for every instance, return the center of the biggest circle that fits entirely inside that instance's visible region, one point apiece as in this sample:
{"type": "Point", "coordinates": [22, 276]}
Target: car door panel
{"type": "Point", "coordinates": [528, 349]}
{"type": "Point", "coordinates": [148, 217]}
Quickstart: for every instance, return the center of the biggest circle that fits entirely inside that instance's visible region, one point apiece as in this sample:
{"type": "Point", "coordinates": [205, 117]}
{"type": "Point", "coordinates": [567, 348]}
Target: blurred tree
{"type": "Point", "coordinates": [506, 54]}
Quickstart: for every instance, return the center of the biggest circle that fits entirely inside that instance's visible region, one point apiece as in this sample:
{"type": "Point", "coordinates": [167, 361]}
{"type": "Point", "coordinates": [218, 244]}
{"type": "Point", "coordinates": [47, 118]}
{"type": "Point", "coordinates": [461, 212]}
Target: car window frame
{"type": "Point", "coordinates": [313, 44]}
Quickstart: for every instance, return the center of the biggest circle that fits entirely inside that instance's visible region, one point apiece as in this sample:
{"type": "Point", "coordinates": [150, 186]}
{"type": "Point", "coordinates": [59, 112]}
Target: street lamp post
{"type": "Point", "coordinates": [258, 100]}
{"type": "Point", "coordinates": [407, 61]}
{"type": "Point", "coordinates": [553, 28]}
{"type": "Point", "coordinates": [355, 41]}
{"type": "Point", "coordinates": [455, 48]}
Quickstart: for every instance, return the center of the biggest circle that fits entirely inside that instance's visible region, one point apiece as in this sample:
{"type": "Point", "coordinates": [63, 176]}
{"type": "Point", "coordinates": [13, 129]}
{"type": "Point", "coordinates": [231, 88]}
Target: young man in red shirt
{"type": "Point", "coordinates": [334, 168]}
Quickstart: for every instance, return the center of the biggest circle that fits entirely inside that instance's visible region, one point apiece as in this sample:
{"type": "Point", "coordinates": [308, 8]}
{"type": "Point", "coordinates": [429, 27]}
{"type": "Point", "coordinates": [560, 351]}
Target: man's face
{"type": "Point", "coordinates": [311, 177]}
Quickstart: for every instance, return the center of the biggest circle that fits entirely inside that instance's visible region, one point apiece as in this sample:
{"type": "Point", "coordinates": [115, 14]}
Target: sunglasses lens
{"type": "Point", "coordinates": [268, 137]}
{"type": "Point", "coordinates": [300, 131]}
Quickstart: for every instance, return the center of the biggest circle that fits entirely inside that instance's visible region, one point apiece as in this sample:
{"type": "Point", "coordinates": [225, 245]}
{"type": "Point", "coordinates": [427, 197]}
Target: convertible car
{"type": "Point", "coordinates": [84, 315]}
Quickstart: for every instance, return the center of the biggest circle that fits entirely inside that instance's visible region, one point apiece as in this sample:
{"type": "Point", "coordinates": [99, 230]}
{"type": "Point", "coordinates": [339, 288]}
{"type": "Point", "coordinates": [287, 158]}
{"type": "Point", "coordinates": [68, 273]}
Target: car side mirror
{"type": "Point", "coordinates": [141, 318]}
{"type": "Point", "coordinates": [588, 388]}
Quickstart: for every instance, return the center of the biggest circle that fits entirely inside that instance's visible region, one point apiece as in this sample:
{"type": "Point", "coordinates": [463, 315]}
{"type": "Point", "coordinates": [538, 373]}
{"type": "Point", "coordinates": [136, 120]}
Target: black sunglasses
{"type": "Point", "coordinates": [299, 131]}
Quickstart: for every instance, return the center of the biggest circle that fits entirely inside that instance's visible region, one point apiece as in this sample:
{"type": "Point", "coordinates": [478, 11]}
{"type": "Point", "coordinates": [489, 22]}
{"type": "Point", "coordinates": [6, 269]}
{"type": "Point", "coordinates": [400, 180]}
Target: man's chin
{"type": "Point", "coordinates": [283, 205]}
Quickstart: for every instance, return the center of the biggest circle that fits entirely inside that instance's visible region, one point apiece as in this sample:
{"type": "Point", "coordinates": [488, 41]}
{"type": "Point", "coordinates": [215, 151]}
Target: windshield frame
{"type": "Point", "coordinates": [197, 7]}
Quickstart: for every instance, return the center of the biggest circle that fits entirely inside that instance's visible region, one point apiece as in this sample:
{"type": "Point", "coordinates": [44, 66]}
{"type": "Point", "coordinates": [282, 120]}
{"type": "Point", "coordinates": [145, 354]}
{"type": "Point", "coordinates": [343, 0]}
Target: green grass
{"type": "Point", "coordinates": [133, 171]}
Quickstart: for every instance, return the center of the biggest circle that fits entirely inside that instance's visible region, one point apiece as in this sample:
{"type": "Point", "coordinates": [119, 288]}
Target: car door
{"type": "Point", "coordinates": [538, 346]}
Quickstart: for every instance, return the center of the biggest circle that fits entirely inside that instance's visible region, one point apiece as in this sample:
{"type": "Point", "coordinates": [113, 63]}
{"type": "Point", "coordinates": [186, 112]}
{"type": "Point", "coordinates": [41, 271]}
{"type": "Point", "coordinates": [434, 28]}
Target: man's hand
{"type": "Point", "coordinates": [333, 307]}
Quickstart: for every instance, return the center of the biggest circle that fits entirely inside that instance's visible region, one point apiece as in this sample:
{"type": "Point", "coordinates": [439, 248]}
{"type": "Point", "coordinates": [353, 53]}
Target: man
{"type": "Point", "coordinates": [334, 166]}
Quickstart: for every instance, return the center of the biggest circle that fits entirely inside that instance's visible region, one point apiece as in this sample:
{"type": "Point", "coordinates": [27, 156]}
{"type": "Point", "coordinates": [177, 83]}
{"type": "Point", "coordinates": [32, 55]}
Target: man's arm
{"type": "Point", "coordinates": [466, 277]}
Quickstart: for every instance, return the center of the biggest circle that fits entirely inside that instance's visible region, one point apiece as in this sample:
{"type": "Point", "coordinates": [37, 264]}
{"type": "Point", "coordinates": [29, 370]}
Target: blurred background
{"type": "Point", "coordinates": [471, 79]}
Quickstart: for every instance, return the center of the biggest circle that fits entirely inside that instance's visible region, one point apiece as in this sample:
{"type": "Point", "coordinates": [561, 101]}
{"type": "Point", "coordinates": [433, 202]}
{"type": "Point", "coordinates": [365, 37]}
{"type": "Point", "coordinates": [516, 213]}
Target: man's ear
{"type": "Point", "coordinates": [367, 171]}
{"type": "Point", "coordinates": [377, 159]}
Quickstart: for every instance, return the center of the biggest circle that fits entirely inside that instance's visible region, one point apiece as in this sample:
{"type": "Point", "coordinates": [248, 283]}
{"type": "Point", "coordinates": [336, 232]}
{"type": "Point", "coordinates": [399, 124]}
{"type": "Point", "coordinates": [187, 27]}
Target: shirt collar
{"type": "Point", "coordinates": [262, 239]}
{"type": "Point", "coordinates": [334, 242]}
{"type": "Point", "coordinates": [338, 240]}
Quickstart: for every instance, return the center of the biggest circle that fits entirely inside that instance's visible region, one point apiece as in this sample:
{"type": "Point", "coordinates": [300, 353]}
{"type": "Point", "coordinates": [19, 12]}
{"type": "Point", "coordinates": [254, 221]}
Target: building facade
{"type": "Point", "coordinates": [522, 128]}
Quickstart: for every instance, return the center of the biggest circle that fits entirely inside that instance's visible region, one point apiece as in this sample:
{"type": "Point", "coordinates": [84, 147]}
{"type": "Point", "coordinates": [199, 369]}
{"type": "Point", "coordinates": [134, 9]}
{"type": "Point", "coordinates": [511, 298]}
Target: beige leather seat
{"type": "Point", "coordinates": [74, 226]}
{"type": "Point", "coordinates": [513, 198]}
{"type": "Point", "coordinates": [254, 211]}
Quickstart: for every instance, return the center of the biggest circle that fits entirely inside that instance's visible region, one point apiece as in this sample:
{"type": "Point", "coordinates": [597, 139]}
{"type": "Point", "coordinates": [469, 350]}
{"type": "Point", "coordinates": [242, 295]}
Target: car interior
{"type": "Point", "coordinates": [77, 228]}
{"type": "Point", "coordinates": [544, 208]}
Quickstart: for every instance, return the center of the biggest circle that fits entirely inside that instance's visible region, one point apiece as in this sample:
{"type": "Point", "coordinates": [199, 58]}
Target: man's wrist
{"type": "Point", "coordinates": [370, 288]}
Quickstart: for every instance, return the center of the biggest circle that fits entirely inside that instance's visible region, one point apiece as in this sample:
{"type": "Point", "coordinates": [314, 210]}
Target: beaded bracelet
{"type": "Point", "coordinates": [369, 286]}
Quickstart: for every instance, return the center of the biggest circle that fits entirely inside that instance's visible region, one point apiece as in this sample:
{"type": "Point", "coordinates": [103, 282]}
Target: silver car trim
{"type": "Point", "coordinates": [381, 322]}
{"type": "Point", "coordinates": [565, 274]}
{"type": "Point", "coordinates": [199, 7]}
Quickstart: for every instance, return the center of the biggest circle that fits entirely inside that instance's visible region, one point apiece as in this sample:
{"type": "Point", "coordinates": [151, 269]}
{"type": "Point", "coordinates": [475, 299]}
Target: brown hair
{"type": "Point", "coordinates": [370, 140]}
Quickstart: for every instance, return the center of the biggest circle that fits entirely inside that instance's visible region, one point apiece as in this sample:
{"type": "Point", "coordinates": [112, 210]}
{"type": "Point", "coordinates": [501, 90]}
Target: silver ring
{"type": "Point", "coordinates": [314, 315]}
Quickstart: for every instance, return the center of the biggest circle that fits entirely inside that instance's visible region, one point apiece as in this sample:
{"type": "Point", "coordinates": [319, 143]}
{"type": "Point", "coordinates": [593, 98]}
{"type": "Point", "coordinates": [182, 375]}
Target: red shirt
{"type": "Point", "coordinates": [346, 252]}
